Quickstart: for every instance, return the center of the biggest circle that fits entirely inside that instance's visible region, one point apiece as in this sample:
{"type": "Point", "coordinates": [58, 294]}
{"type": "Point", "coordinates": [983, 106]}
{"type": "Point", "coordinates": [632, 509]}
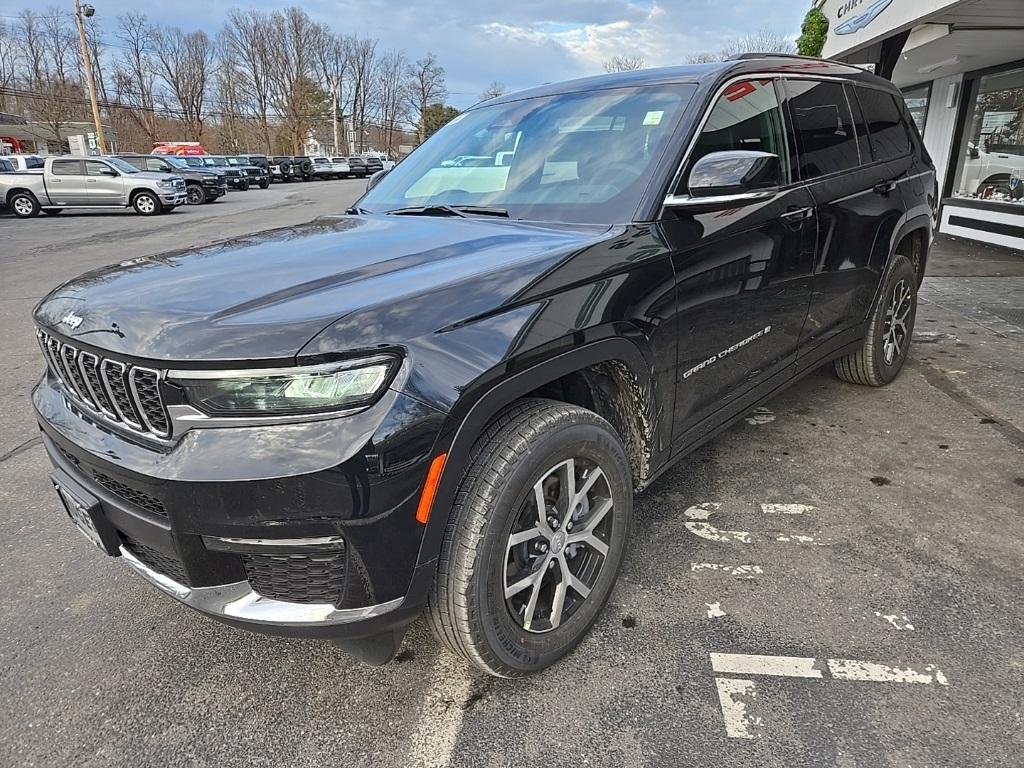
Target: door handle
{"type": "Point", "coordinates": [797, 214]}
{"type": "Point", "coordinates": [884, 187]}
{"type": "Point", "coordinates": [90, 181]}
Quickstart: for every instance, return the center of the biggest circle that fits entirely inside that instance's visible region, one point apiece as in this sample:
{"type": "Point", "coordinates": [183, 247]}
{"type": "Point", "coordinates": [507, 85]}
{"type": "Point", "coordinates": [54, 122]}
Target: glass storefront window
{"type": "Point", "coordinates": [917, 99]}
{"type": "Point", "coordinates": [991, 161]}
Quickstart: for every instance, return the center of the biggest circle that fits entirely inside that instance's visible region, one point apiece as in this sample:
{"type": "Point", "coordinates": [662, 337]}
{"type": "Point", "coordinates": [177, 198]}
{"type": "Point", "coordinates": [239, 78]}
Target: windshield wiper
{"type": "Point", "coordinates": [449, 210]}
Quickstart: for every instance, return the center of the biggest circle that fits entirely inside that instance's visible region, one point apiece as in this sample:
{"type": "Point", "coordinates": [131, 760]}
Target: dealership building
{"type": "Point", "coordinates": [960, 65]}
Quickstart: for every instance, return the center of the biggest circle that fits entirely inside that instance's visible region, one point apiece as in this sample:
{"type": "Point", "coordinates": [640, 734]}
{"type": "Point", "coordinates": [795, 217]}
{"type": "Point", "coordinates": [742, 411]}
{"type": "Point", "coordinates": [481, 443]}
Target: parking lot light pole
{"type": "Point", "coordinates": [88, 11]}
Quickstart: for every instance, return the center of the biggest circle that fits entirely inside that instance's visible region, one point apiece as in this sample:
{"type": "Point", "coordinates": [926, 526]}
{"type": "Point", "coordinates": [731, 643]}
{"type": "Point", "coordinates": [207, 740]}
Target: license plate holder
{"type": "Point", "coordinates": [86, 513]}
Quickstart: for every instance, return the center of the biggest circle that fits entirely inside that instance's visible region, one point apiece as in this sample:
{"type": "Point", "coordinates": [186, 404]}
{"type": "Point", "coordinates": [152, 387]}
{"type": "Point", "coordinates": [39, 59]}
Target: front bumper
{"type": "Point", "coordinates": [208, 521]}
{"type": "Point", "coordinates": [175, 197]}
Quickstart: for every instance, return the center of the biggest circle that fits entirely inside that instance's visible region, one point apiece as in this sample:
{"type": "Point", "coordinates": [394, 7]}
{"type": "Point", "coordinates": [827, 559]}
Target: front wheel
{"type": "Point", "coordinates": [265, 184]}
{"type": "Point", "coordinates": [146, 204]}
{"type": "Point", "coordinates": [195, 195]}
{"type": "Point", "coordinates": [24, 205]}
{"type": "Point", "coordinates": [535, 538]}
{"type": "Point", "coordinates": [887, 341]}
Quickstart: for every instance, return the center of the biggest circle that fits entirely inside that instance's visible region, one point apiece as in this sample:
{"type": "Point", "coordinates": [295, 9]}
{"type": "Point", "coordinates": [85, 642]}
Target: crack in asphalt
{"type": "Point", "coordinates": [948, 387]}
{"type": "Point", "coordinates": [19, 449]}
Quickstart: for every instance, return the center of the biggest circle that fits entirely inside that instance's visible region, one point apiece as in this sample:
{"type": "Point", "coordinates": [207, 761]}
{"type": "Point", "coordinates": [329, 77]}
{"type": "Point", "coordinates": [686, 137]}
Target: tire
{"type": "Point", "coordinates": [305, 167]}
{"type": "Point", "coordinates": [470, 608]}
{"type": "Point", "coordinates": [265, 184]}
{"type": "Point", "coordinates": [24, 205]}
{"type": "Point", "coordinates": [195, 195]}
{"type": "Point", "coordinates": [146, 204]}
{"type": "Point", "coordinates": [286, 169]}
{"type": "Point", "coordinates": [887, 343]}
{"type": "Point", "coordinates": [52, 211]}
{"type": "Point", "coordinates": [245, 185]}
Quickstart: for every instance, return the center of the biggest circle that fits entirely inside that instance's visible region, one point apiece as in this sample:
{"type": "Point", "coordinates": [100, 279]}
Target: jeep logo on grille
{"type": "Point", "coordinates": [71, 320]}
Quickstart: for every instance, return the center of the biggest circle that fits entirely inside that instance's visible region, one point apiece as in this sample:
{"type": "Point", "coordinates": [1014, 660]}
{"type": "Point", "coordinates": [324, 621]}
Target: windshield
{"type": "Point", "coordinates": [577, 157]}
{"type": "Point", "coordinates": [217, 161]}
{"type": "Point", "coordinates": [339, 160]}
{"type": "Point", "coordinates": [237, 161]}
{"type": "Point", "coordinates": [121, 165]}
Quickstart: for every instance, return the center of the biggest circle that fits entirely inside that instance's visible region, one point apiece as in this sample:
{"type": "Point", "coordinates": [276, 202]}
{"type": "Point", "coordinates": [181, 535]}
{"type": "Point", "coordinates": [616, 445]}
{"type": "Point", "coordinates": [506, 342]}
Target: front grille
{"type": "Point", "coordinates": [297, 578]}
{"type": "Point", "coordinates": [111, 390]}
{"type": "Point", "coordinates": [168, 565]}
{"type": "Point", "coordinates": [133, 496]}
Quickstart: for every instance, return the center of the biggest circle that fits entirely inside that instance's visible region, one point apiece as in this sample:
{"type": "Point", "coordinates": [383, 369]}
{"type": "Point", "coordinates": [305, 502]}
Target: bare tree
{"type": "Point", "coordinates": [393, 95]}
{"type": "Point", "coordinates": [134, 78]}
{"type": "Point", "coordinates": [624, 63]}
{"type": "Point", "coordinates": [8, 65]}
{"type": "Point", "coordinates": [332, 60]}
{"type": "Point", "coordinates": [362, 65]}
{"type": "Point", "coordinates": [493, 91]}
{"type": "Point", "coordinates": [426, 86]}
{"type": "Point", "coordinates": [247, 42]}
{"type": "Point", "coordinates": [763, 40]}
{"type": "Point", "coordinates": [294, 93]}
{"type": "Point", "coordinates": [185, 62]}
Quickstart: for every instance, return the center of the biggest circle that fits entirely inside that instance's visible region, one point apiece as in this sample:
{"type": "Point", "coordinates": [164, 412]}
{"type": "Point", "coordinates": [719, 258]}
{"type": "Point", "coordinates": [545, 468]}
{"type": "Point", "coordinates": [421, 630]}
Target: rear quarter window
{"type": "Point", "coordinates": [886, 127]}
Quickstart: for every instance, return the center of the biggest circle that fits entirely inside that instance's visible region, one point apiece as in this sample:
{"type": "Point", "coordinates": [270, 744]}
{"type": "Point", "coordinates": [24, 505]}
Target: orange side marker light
{"type": "Point", "coordinates": [430, 488]}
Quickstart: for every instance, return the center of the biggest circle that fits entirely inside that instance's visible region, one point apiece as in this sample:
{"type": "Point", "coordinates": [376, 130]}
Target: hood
{"type": "Point", "coordinates": [156, 175]}
{"type": "Point", "coordinates": [266, 296]}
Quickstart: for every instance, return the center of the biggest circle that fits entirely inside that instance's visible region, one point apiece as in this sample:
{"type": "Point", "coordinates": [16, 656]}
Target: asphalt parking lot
{"type": "Point", "coordinates": [836, 581]}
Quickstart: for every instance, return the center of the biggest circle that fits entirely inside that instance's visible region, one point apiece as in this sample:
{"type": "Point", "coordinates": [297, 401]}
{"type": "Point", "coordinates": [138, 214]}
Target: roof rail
{"type": "Point", "coordinates": [771, 55]}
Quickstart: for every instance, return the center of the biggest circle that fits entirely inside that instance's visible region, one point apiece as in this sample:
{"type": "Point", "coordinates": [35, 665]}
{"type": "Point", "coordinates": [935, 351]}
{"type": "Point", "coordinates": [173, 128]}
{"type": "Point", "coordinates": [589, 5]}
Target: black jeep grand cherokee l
{"type": "Point", "coordinates": [445, 400]}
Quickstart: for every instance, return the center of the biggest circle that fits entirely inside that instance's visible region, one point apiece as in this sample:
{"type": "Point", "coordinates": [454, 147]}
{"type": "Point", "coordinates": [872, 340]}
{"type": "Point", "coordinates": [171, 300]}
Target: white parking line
{"type": "Point", "coordinates": [897, 620]}
{"type": "Point", "coordinates": [872, 672]}
{"type": "Point", "coordinates": [786, 509]}
{"type": "Point", "coordinates": [733, 695]}
{"type": "Point", "coordinates": [698, 515]}
{"type": "Point", "coordinates": [759, 416]}
{"type": "Point", "coordinates": [747, 664]}
{"type": "Point", "coordinates": [739, 571]}
{"type": "Point", "coordinates": [715, 610]}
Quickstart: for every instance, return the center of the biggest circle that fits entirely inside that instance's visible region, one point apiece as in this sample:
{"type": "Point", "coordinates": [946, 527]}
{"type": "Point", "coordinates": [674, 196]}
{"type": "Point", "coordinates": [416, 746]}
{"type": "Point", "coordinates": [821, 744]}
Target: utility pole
{"type": "Point", "coordinates": [89, 11]}
{"type": "Point", "coordinates": [334, 114]}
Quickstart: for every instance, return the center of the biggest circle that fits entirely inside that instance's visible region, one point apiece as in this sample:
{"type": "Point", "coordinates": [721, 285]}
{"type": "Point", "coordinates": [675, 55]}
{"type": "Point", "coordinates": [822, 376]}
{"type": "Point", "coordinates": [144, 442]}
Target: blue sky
{"type": "Point", "coordinates": [520, 43]}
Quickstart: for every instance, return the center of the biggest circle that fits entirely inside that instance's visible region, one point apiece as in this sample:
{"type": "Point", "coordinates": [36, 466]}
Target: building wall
{"type": "Point", "coordinates": [940, 124]}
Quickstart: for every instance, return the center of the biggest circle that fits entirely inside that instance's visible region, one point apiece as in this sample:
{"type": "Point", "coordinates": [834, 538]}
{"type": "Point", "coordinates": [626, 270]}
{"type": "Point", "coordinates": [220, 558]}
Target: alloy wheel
{"type": "Point", "coordinates": [558, 545]}
{"type": "Point", "coordinates": [894, 332]}
{"type": "Point", "coordinates": [195, 195]}
{"type": "Point", "coordinates": [23, 206]}
{"type": "Point", "coordinates": [145, 204]}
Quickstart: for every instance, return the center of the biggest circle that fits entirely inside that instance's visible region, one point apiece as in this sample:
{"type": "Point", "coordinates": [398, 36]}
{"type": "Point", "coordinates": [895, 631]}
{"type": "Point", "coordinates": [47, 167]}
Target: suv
{"type": "Point", "coordinates": [256, 168]}
{"type": "Point", "coordinates": [201, 185]}
{"type": "Point", "coordinates": [444, 401]}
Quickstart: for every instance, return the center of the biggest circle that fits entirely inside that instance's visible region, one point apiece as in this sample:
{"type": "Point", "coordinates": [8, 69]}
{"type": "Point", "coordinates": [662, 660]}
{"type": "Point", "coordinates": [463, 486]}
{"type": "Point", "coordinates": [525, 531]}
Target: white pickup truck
{"type": "Point", "coordinates": [90, 182]}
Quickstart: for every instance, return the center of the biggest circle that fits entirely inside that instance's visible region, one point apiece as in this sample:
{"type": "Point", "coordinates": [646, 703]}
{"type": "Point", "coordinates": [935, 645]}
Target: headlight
{"type": "Point", "coordinates": [284, 391]}
{"type": "Point", "coordinates": [167, 183]}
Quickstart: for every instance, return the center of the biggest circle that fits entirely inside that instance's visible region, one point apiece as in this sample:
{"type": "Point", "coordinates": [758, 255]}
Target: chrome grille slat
{"type": "Point", "coordinates": [111, 390]}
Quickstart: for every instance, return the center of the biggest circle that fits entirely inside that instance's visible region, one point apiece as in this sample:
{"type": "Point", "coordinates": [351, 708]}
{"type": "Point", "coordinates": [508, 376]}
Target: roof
{"type": "Point", "coordinates": [696, 73]}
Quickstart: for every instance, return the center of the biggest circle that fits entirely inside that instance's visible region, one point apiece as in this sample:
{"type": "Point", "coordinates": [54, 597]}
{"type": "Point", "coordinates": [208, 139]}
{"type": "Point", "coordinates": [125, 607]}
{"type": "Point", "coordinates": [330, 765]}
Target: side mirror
{"type": "Point", "coordinates": [972, 151]}
{"type": "Point", "coordinates": [109, 172]}
{"type": "Point", "coordinates": [374, 180]}
{"type": "Point", "coordinates": [730, 179]}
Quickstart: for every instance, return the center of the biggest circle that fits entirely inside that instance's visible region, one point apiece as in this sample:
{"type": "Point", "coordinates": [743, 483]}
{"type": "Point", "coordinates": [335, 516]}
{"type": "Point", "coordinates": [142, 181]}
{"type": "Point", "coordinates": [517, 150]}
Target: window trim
{"type": "Point", "coordinates": [846, 96]}
{"type": "Point", "coordinates": [905, 120]}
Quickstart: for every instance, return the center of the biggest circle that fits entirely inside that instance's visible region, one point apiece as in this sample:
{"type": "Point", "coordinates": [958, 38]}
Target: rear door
{"type": "Point", "coordinates": [106, 184]}
{"type": "Point", "coordinates": [858, 205]}
{"type": "Point", "coordinates": [743, 274]}
{"type": "Point", "coordinates": [66, 182]}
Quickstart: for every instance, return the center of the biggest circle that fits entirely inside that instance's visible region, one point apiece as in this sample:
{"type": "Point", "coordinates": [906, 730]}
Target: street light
{"type": "Point", "coordinates": [88, 12]}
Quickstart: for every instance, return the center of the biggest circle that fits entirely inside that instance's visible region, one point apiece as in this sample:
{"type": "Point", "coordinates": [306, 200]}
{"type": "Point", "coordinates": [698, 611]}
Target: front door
{"type": "Point", "coordinates": [106, 185]}
{"type": "Point", "coordinates": [743, 274]}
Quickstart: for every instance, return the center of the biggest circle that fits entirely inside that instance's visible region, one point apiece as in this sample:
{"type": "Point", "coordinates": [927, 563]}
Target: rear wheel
{"type": "Point", "coordinates": [146, 204]}
{"type": "Point", "coordinates": [265, 183]}
{"type": "Point", "coordinates": [887, 342]}
{"type": "Point", "coordinates": [535, 538]}
{"type": "Point", "coordinates": [24, 205]}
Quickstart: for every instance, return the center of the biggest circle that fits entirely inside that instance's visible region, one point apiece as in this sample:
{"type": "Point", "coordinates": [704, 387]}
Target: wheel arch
{"type": "Point", "coordinates": [20, 190]}
{"type": "Point", "coordinates": [611, 375]}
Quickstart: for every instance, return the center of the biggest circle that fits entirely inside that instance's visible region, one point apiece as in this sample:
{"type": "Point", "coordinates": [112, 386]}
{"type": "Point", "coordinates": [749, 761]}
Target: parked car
{"type": "Point", "coordinates": [93, 182]}
{"type": "Point", "coordinates": [341, 167]}
{"type": "Point", "coordinates": [444, 402]}
{"type": "Point", "coordinates": [236, 177]}
{"type": "Point", "coordinates": [323, 168]}
{"type": "Point", "coordinates": [286, 168]}
{"type": "Point", "coordinates": [202, 185]}
{"type": "Point", "coordinates": [357, 167]}
{"type": "Point", "coordinates": [373, 164]}
{"type": "Point", "coordinates": [256, 168]}
{"type": "Point", "coordinates": [31, 163]}
{"type": "Point", "coordinates": [994, 173]}
{"type": "Point", "coordinates": [386, 162]}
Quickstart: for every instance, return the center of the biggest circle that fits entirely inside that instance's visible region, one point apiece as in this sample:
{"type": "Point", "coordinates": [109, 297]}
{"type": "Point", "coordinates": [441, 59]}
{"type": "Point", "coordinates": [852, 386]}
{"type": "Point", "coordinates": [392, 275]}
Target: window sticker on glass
{"type": "Point", "coordinates": [654, 118]}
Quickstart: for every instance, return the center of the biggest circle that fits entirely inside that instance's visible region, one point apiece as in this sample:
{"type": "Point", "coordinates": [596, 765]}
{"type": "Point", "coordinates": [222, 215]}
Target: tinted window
{"type": "Point", "coordinates": [746, 116]}
{"type": "Point", "coordinates": [5, 165]}
{"type": "Point", "coordinates": [823, 127]}
{"type": "Point", "coordinates": [156, 164]}
{"type": "Point", "coordinates": [860, 125]}
{"type": "Point", "coordinates": [885, 124]}
{"type": "Point", "coordinates": [34, 162]}
{"type": "Point", "coordinates": [66, 168]}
